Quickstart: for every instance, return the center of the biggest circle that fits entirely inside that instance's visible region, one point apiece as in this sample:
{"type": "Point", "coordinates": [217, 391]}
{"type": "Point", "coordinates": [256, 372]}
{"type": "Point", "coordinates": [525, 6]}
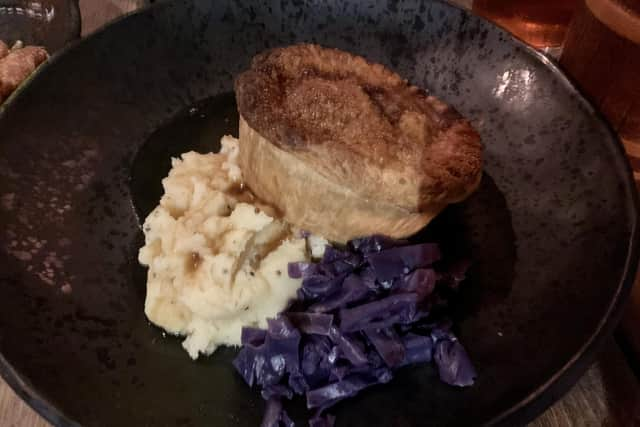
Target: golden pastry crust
{"type": "Point", "coordinates": [361, 127]}
{"type": "Point", "coordinates": [309, 200]}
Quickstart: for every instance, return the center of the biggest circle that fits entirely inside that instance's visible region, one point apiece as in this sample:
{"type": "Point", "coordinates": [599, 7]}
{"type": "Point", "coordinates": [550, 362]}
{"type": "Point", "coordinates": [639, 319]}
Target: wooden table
{"type": "Point", "coordinates": [608, 394]}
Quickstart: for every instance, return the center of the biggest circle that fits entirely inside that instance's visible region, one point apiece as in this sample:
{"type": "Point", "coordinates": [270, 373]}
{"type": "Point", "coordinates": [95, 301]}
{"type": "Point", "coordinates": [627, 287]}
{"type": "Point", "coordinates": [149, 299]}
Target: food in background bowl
{"type": "Point", "coordinates": [16, 64]}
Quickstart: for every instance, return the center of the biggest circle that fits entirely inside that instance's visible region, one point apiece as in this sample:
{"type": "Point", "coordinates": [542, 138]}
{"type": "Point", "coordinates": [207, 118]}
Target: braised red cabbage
{"type": "Point", "coordinates": [454, 365]}
{"type": "Point", "coordinates": [362, 311]}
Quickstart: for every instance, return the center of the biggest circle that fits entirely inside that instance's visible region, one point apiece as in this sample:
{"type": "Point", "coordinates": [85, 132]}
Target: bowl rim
{"type": "Point", "coordinates": [538, 400]}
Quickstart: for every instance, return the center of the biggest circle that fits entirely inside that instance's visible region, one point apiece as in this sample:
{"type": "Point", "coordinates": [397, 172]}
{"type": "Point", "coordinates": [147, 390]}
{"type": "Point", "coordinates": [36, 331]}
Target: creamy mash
{"type": "Point", "coordinates": [216, 263]}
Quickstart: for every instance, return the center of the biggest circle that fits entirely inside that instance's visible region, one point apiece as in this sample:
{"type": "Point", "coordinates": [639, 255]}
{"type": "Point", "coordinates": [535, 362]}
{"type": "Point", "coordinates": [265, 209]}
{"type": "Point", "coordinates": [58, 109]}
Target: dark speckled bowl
{"type": "Point", "coordinates": [552, 229]}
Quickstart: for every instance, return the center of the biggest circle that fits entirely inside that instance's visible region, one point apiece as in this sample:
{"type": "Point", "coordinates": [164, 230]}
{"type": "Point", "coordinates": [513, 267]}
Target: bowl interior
{"type": "Point", "coordinates": [86, 143]}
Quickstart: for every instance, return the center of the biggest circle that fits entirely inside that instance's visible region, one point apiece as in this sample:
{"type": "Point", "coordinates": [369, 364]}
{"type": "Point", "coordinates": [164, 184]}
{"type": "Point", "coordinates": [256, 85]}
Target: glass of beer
{"type": "Point", "coordinates": [602, 54]}
{"type": "Point", "coordinates": [540, 23]}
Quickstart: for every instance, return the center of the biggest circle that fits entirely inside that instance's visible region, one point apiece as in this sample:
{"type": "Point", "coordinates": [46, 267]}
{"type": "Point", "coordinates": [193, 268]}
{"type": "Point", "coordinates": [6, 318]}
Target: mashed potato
{"type": "Point", "coordinates": [216, 264]}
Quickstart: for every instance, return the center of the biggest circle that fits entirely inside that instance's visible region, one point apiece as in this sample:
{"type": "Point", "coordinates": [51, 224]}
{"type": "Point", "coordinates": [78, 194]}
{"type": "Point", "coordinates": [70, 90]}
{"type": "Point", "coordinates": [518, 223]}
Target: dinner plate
{"type": "Point", "coordinates": [552, 230]}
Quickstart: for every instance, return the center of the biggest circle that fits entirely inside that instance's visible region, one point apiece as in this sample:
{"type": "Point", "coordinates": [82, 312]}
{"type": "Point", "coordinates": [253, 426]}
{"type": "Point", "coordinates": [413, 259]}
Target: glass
{"type": "Point", "coordinates": [541, 23]}
{"type": "Point", "coordinates": [602, 53]}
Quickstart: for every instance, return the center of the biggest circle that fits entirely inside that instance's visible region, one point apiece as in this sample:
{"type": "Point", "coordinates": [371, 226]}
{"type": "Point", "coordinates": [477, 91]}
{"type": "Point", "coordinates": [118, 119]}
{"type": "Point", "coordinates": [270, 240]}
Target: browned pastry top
{"type": "Point", "coordinates": [360, 123]}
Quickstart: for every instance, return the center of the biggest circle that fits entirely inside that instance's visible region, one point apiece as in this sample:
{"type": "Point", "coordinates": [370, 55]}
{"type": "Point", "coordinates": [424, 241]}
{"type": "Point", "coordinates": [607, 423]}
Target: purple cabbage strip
{"type": "Point", "coordinates": [331, 394]}
{"type": "Point", "coordinates": [267, 364]}
{"type": "Point", "coordinates": [418, 349]}
{"type": "Point", "coordinates": [311, 323]}
{"type": "Point", "coordinates": [340, 371]}
{"type": "Point", "coordinates": [245, 364]}
{"type": "Point", "coordinates": [283, 341]}
{"type": "Point", "coordinates": [351, 348]}
{"type": "Point", "coordinates": [454, 365]}
{"type": "Point", "coordinates": [315, 364]}
{"type": "Point", "coordinates": [401, 307]}
{"type": "Point", "coordinates": [318, 285]}
{"type": "Point", "coordinates": [421, 281]}
{"type": "Point", "coordinates": [395, 262]}
{"type": "Point", "coordinates": [269, 369]}
{"type": "Point", "coordinates": [343, 266]}
{"type": "Point", "coordinates": [298, 383]}
{"type": "Point", "coordinates": [368, 277]}
{"type": "Point", "coordinates": [374, 243]}
{"type": "Point", "coordinates": [353, 290]}
{"type": "Point", "coordinates": [385, 267]}
{"type": "Point", "coordinates": [388, 345]}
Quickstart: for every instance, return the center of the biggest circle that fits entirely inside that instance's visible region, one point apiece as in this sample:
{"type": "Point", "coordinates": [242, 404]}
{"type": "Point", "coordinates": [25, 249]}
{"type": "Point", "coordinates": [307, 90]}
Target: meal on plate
{"type": "Point", "coordinates": [292, 240]}
{"type": "Point", "coordinates": [16, 64]}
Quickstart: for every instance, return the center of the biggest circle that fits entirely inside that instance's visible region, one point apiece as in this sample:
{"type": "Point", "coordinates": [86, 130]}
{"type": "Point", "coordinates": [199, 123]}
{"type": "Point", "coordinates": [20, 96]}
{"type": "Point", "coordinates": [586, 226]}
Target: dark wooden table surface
{"type": "Point", "coordinates": [607, 395]}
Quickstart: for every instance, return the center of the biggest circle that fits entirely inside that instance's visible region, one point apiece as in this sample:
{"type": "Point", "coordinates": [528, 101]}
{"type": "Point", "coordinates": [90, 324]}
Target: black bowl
{"type": "Point", "coordinates": [48, 23]}
{"type": "Point", "coordinates": [552, 230]}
